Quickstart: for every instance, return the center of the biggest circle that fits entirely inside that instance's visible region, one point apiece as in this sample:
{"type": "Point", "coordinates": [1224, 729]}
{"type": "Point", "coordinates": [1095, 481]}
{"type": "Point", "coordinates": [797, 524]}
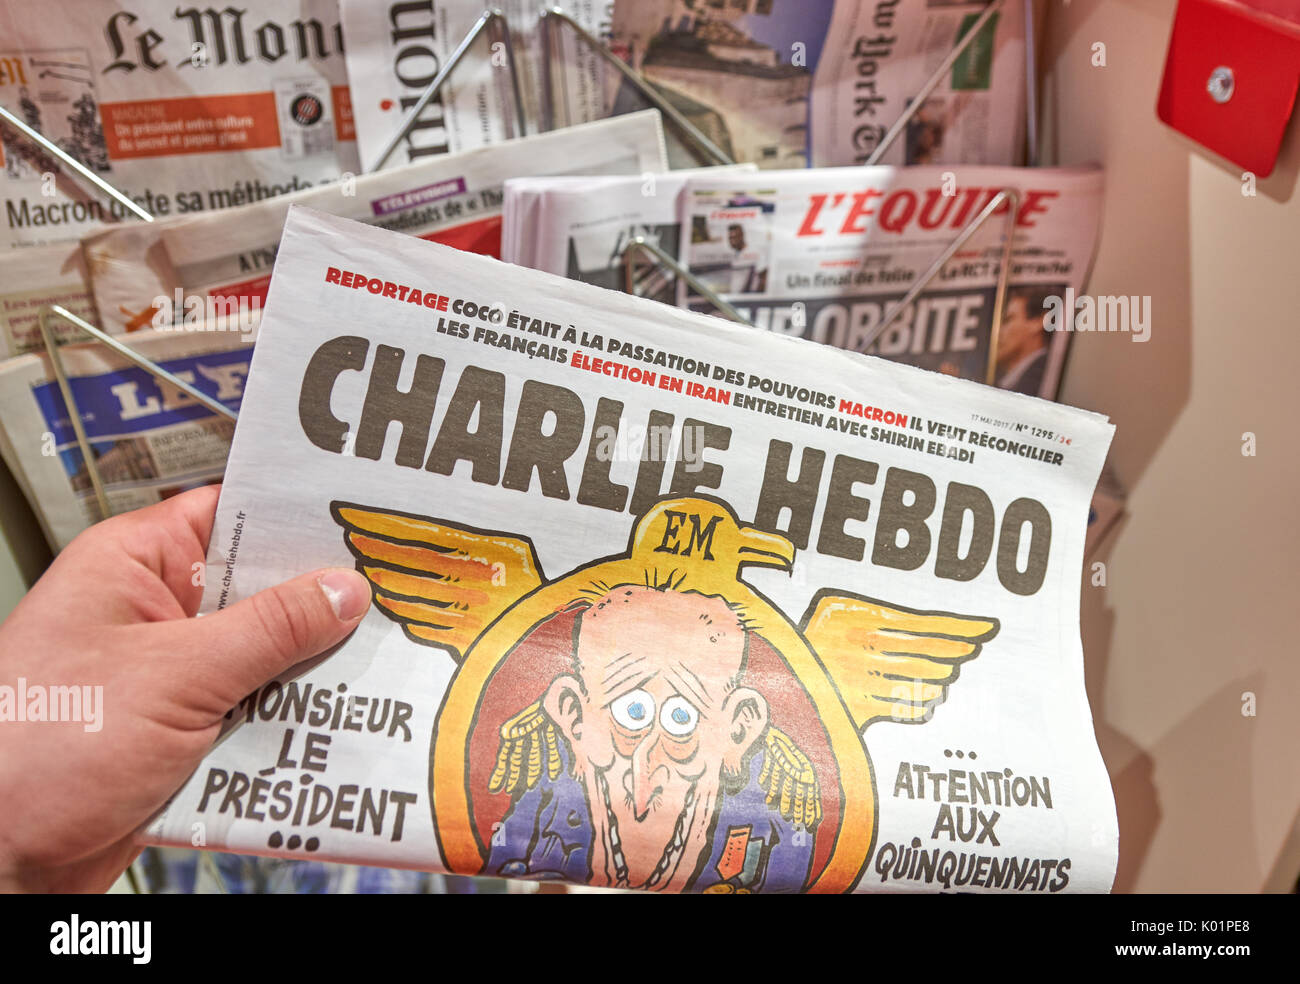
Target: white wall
{"type": "Point", "coordinates": [1201, 604]}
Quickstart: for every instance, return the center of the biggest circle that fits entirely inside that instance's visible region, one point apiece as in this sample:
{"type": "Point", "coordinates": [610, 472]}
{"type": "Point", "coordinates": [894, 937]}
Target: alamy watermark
{"type": "Point", "coordinates": [75, 937]}
{"type": "Point", "coordinates": [1101, 312]}
{"type": "Point", "coordinates": [34, 702]}
{"type": "Point", "coordinates": [206, 312]}
{"type": "Point", "coordinates": [651, 443]}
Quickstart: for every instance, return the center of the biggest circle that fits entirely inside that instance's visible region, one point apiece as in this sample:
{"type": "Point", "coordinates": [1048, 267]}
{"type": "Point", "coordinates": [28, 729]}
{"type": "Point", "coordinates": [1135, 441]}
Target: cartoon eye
{"type": "Point", "coordinates": [678, 717]}
{"type": "Point", "coordinates": [634, 710]}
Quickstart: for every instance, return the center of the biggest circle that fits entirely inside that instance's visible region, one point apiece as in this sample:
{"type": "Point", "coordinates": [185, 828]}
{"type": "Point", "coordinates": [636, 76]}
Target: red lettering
{"type": "Point", "coordinates": [859, 210]}
{"type": "Point", "coordinates": [332, 275]}
{"type": "Point", "coordinates": [808, 228]}
{"type": "Point", "coordinates": [968, 203]}
{"type": "Point", "coordinates": [891, 219]}
{"type": "Point", "coordinates": [928, 219]}
{"type": "Point", "coordinates": [1033, 206]}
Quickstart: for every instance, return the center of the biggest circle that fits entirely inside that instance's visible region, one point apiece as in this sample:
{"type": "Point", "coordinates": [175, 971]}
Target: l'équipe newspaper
{"type": "Point", "coordinates": [827, 254]}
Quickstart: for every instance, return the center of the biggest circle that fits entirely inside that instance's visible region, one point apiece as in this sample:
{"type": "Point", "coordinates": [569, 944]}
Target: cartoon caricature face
{"type": "Point", "coordinates": [656, 713]}
{"type": "Point", "coordinates": [649, 720]}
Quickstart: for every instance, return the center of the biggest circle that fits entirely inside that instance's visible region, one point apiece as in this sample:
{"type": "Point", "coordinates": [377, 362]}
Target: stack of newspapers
{"type": "Point", "coordinates": [187, 292]}
{"type": "Point", "coordinates": [215, 121]}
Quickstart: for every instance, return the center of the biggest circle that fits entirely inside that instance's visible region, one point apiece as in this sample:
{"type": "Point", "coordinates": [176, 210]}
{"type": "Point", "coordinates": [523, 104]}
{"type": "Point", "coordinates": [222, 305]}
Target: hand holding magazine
{"type": "Point", "coordinates": [659, 602]}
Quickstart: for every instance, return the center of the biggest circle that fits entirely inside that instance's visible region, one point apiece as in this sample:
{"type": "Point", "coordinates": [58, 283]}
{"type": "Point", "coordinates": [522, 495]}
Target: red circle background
{"type": "Point", "coordinates": [546, 652]}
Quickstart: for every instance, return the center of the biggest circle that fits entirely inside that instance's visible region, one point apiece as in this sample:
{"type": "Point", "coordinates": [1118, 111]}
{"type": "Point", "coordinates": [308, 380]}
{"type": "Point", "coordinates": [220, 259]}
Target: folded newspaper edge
{"type": "Point", "coordinates": [628, 565]}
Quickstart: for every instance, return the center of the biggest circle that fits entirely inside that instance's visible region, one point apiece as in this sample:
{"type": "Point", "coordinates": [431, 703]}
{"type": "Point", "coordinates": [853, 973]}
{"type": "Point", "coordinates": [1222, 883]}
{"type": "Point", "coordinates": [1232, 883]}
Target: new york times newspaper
{"type": "Point", "coordinates": [579, 227]}
{"type": "Point", "coordinates": [660, 602]}
{"type": "Point", "coordinates": [150, 439]}
{"type": "Point", "coordinates": [454, 199]}
{"type": "Point", "coordinates": [799, 83]}
{"type": "Point", "coordinates": [828, 253]}
{"type": "Point", "coordinates": [186, 108]}
{"type": "Point", "coordinates": [397, 47]}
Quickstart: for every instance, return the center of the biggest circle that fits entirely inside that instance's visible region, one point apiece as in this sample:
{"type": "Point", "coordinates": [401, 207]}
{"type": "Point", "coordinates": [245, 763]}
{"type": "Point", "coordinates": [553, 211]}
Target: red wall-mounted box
{"type": "Point", "coordinates": [1231, 77]}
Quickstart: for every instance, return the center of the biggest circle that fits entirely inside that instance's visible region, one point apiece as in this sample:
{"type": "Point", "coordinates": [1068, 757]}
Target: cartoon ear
{"type": "Point", "coordinates": [747, 710]}
{"type": "Point", "coordinates": [563, 704]}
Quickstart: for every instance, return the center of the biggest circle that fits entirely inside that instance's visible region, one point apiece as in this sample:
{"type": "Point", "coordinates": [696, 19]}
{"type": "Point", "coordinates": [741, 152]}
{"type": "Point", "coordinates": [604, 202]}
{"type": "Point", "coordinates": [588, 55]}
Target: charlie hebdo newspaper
{"type": "Point", "coordinates": [827, 254]}
{"type": "Point", "coordinates": [151, 440]}
{"type": "Point", "coordinates": [799, 83]}
{"type": "Point", "coordinates": [397, 47]}
{"type": "Point", "coordinates": [578, 227]}
{"type": "Point", "coordinates": [659, 602]}
{"type": "Point", "coordinates": [185, 108]}
{"type": "Point", "coordinates": [148, 274]}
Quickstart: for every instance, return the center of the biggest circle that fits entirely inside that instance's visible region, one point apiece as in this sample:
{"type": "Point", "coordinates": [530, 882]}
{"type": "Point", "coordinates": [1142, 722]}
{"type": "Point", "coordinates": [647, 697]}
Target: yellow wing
{"type": "Point", "coordinates": [443, 584]}
{"type": "Point", "coordinates": [889, 663]}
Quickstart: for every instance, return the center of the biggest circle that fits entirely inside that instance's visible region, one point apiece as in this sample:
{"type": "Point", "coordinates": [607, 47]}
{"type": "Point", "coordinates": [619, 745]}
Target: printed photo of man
{"type": "Point", "coordinates": [1023, 342]}
{"type": "Point", "coordinates": [746, 275]}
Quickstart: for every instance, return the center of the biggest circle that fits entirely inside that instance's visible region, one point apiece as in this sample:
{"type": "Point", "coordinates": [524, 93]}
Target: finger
{"type": "Point", "coordinates": [234, 651]}
{"type": "Point", "coordinates": [138, 566]}
{"type": "Point", "coordinates": [175, 541]}
{"type": "Point", "coordinates": [166, 541]}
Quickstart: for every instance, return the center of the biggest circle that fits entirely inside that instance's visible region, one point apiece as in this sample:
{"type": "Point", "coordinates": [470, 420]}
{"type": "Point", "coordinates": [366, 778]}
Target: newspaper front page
{"type": "Point", "coordinates": [660, 602]}
{"type": "Point", "coordinates": [31, 280]}
{"type": "Point", "coordinates": [827, 254]}
{"type": "Point", "coordinates": [225, 259]}
{"type": "Point", "coordinates": [799, 83]}
{"type": "Point", "coordinates": [151, 440]}
{"type": "Point", "coordinates": [396, 49]}
{"type": "Point", "coordinates": [186, 109]}
{"type": "Point", "coordinates": [580, 227]}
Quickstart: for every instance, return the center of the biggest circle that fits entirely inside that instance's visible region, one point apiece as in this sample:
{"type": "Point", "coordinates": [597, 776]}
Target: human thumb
{"type": "Point", "coordinates": [243, 646]}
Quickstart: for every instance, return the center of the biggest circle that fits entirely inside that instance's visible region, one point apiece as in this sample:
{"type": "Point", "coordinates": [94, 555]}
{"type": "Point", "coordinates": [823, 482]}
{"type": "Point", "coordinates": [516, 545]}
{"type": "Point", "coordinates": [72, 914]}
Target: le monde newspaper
{"type": "Point", "coordinates": [659, 602]}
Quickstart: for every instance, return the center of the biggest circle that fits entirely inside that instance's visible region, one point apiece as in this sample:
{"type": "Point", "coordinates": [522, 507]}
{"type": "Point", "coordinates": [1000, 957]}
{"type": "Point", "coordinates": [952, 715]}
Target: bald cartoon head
{"type": "Point", "coordinates": [657, 714]}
